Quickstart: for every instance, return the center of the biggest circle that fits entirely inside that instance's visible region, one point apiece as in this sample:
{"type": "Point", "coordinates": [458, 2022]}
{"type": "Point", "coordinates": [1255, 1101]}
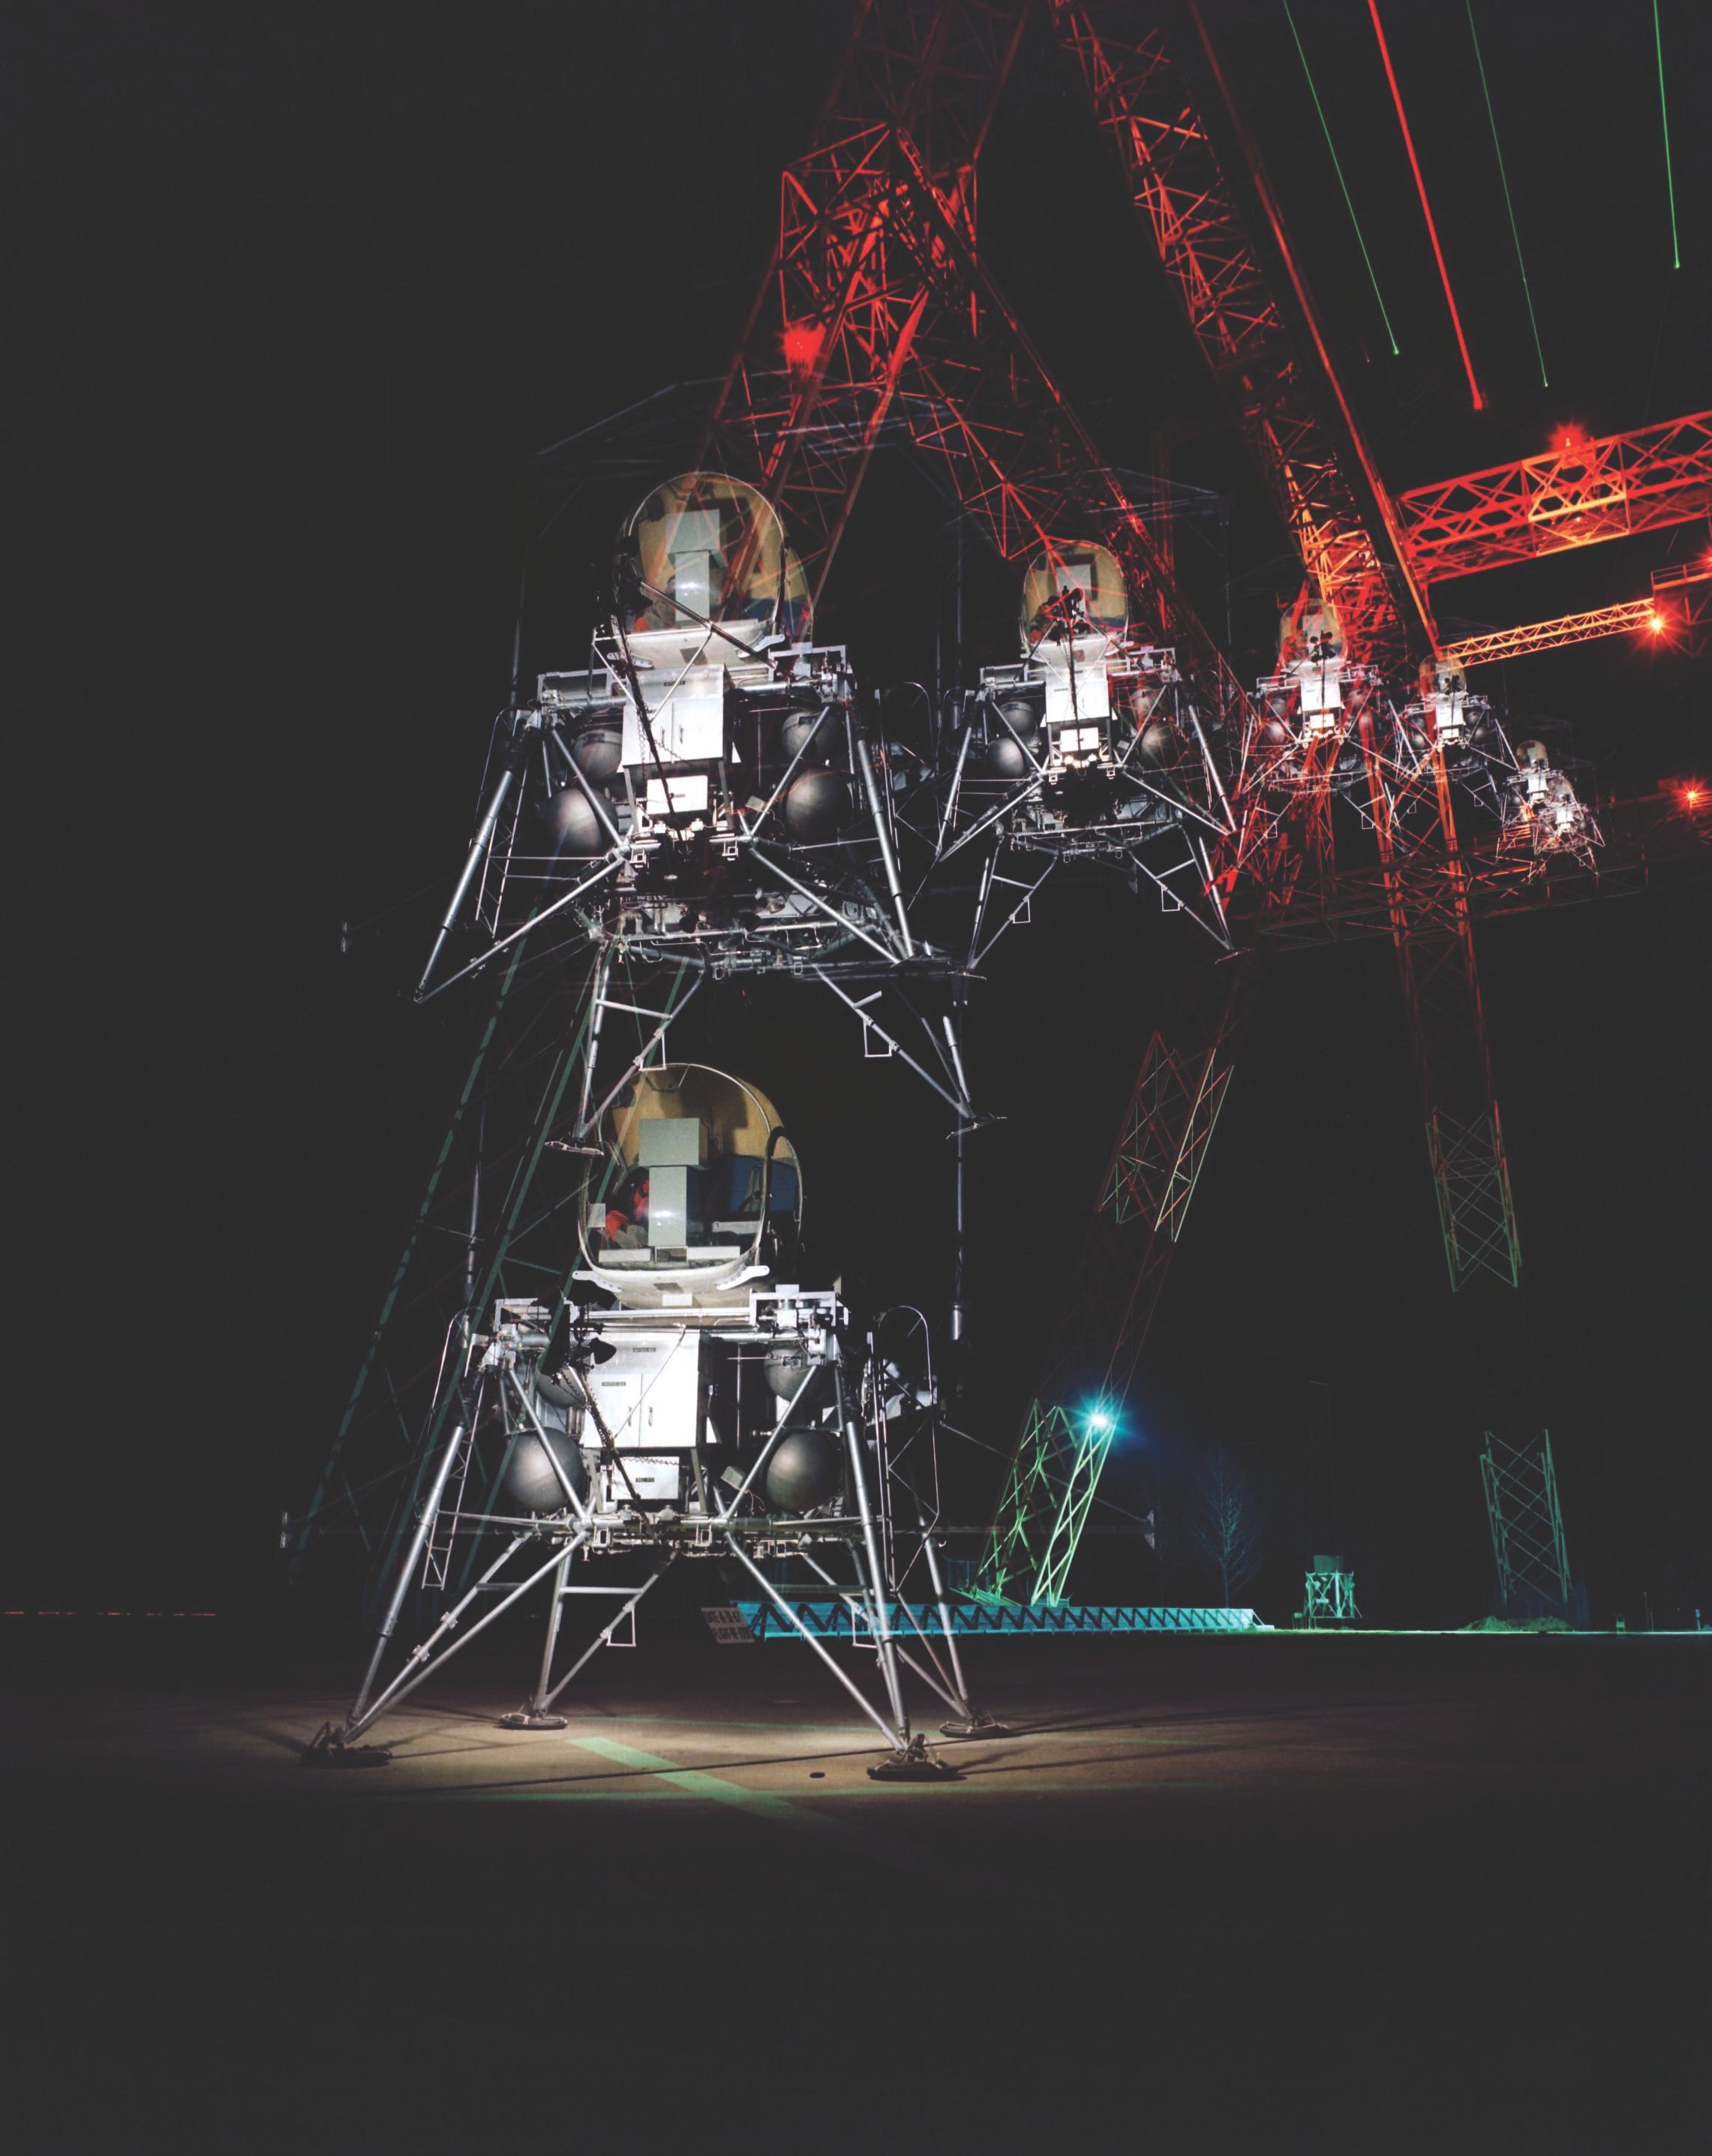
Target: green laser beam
{"type": "Point", "coordinates": [1664, 116]}
{"type": "Point", "coordinates": [1342, 181]}
{"type": "Point", "coordinates": [1492, 119]}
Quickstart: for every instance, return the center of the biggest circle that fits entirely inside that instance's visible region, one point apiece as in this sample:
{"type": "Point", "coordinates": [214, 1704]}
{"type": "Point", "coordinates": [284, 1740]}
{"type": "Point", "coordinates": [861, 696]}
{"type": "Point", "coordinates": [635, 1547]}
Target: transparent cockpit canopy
{"type": "Point", "coordinates": [706, 546]}
{"type": "Point", "coordinates": [696, 1177]}
{"type": "Point", "coordinates": [1085, 567]}
{"type": "Point", "coordinates": [1309, 628]}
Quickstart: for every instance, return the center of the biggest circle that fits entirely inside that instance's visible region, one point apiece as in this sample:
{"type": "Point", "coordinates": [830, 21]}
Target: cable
{"type": "Point", "coordinates": [1397, 99]}
{"type": "Point", "coordinates": [1337, 168]}
{"type": "Point", "coordinates": [1492, 118]}
{"type": "Point", "coordinates": [1664, 116]}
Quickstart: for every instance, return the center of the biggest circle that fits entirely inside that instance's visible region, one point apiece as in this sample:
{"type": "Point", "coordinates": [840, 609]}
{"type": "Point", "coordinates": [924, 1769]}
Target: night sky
{"type": "Point", "coordinates": [293, 294]}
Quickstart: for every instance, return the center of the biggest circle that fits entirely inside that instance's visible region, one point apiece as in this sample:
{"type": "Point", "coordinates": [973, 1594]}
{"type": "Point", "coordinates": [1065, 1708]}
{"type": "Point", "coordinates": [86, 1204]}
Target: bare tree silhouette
{"type": "Point", "coordinates": [1225, 1527]}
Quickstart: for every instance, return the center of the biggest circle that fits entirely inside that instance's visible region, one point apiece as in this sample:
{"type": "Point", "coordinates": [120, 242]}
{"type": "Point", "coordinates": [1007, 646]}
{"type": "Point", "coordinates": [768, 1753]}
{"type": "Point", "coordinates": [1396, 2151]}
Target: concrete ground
{"type": "Point", "coordinates": [1379, 1893]}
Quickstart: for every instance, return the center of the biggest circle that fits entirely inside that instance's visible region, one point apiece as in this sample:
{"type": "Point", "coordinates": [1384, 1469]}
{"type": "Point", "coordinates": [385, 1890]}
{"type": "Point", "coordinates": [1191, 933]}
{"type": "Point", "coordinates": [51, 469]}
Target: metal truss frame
{"type": "Point", "coordinates": [1529, 1548]}
{"type": "Point", "coordinates": [1055, 1470]}
{"type": "Point", "coordinates": [884, 297]}
{"type": "Point", "coordinates": [1435, 949]}
{"type": "Point", "coordinates": [1115, 1283]}
{"type": "Point", "coordinates": [1329, 1598]}
{"type": "Point", "coordinates": [1577, 494]}
{"type": "Point", "coordinates": [1145, 1193]}
{"type": "Point", "coordinates": [855, 269]}
{"type": "Point", "coordinates": [1620, 620]}
{"type": "Point", "coordinates": [1657, 842]}
{"type": "Point", "coordinates": [1680, 601]}
{"type": "Point", "coordinates": [1184, 200]}
{"type": "Point", "coordinates": [1187, 204]}
{"type": "Point", "coordinates": [748, 1623]}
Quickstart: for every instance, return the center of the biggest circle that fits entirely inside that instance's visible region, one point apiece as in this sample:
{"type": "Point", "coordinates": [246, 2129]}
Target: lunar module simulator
{"type": "Point", "coordinates": [691, 1399]}
{"type": "Point", "coordinates": [1090, 748]}
{"type": "Point", "coordinates": [708, 782]}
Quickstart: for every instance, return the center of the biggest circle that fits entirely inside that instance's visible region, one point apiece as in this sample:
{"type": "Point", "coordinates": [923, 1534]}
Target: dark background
{"type": "Point", "coordinates": [293, 294]}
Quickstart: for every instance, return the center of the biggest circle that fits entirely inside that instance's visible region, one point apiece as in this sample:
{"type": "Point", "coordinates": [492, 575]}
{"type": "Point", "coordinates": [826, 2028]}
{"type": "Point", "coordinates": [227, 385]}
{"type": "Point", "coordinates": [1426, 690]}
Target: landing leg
{"type": "Point", "coordinates": [533, 1713]}
{"type": "Point", "coordinates": [973, 1721]}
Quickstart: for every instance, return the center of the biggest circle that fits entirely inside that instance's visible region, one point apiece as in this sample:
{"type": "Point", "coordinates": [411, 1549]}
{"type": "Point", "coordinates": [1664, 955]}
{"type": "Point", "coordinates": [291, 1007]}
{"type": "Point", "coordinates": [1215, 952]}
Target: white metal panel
{"type": "Point", "coordinates": [686, 712]}
{"type": "Point", "coordinates": [653, 1384]}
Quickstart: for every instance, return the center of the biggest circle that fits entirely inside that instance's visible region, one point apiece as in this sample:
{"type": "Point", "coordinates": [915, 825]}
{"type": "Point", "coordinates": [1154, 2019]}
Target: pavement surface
{"type": "Point", "coordinates": [1371, 1893]}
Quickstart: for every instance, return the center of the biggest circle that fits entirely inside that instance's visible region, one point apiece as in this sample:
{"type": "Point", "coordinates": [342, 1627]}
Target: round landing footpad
{"type": "Point", "coordinates": [326, 1752]}
{"type": "Point", "coordinates": [916, 1764]}
{"type": "Point", "coordinates": [977, 1725]}
{"type": "Point", "coordinates": [525, 1718]}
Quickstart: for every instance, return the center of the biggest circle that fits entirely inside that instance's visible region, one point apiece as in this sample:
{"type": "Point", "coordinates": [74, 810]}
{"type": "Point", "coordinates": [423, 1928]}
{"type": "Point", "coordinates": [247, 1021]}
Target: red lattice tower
{"type": "Point", "coordinates": [1303, 433]}
{"type": "Point", "coordinates": [880, 301]}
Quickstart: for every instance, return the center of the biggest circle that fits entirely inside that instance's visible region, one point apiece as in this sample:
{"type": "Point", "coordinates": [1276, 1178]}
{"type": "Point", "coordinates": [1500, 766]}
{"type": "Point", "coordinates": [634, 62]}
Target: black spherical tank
{"type": "Point", "coordinates": [817, 806]}
{"type": "Point", "coordinates": [805, 1471]}
{"type": "Point", "coordinates": [1022, 715]}
{"type": "Point", "coordinates": [598, 750]}
{"type": "Point", "coordinates": [1007, 758]}
{"type": "Point", "coordinates": [824, 737]}
{"type": "Point", "coordinates": [570, 826]}
{"type": "Point", "coordinates": [784, 1369]}
{"type": "Point", "coordinates": [532, 1485]}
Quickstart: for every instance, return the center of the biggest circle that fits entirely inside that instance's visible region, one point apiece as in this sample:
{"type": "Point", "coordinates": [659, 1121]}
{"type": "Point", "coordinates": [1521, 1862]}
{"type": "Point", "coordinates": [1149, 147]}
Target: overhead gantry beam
{"type": "Point", "coordinates": [1578, 494]}
{"type": "Point", "coordinates": [1678, 607]}
{"type": "Point", "coordinates": [1630, 616]}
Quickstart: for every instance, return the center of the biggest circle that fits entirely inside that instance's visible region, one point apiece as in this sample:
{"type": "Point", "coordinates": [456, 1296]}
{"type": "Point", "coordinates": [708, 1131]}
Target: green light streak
{"type": "Point", "coordinates": [1339, 170]}
{"type": "Point", "coordinates": [1509, 205]}
{"type": "Point", "coordinates": [1664, 116]}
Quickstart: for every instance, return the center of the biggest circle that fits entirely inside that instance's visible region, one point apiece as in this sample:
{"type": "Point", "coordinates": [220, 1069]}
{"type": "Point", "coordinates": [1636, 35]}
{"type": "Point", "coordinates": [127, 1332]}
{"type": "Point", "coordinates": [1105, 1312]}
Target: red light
{"type": "Point", "coordinates": [1693, 796]}
{"type": "Point", "coordinates": [802, 342]}
{"type": "Point", "coordinates": [1655, 621]}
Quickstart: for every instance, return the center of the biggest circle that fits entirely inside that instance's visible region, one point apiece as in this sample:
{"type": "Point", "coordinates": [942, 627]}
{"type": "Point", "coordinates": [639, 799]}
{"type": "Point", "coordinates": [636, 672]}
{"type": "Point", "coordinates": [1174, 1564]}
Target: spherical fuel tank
{"type": "Point", "coordinates": [824, 735]}
{"type": "Point", "coordinates": [531, 1483]}
{"type": "Point", "coordinates": [805, 1471]}
{"type": "Point", "coordinates": [571, 827]}
{"type": "Point", "coordinates": [1022, 716]}
{"type": "Point", "coordinates": [784, 1369]}
{"type": "Point", "coordinates": [598, 750]}
{"type": "Point", "coordinates": [1007, 758]}
{"type": "Point", "coordinates": [817, 806]}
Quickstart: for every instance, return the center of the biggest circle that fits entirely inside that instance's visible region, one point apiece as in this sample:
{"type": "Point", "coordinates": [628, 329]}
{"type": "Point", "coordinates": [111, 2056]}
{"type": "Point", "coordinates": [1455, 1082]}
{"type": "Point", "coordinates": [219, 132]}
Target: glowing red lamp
{"type": "Point", "coordinates": [802, 342]}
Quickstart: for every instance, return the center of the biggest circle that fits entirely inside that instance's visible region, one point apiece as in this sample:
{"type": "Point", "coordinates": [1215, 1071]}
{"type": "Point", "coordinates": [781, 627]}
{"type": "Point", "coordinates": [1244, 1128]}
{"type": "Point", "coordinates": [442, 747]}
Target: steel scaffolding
{"type": "Point", "coordinates": [1528, 1546]}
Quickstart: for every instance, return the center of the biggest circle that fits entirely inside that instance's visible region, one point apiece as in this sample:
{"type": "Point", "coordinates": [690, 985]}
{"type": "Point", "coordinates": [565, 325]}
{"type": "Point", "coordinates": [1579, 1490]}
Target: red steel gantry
{"type": "Point", "coordinates": [1337, 510]}
{"type": "Point", "coordinates": [1577, 494]}
{"type": "Point", "coordinates": [878, 310]}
